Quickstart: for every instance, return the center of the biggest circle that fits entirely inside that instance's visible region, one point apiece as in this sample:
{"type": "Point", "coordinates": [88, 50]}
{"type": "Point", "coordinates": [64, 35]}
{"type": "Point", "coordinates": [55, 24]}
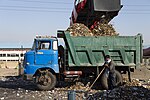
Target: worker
{"type": "Point", "coordinates": [110, 70]}
{"type": "Point", "coordinates": [61, 55]}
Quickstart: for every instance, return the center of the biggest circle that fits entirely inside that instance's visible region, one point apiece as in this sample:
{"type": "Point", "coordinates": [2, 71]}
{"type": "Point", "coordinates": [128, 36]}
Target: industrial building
{"type": "Point", "coordinates": [10, 57]}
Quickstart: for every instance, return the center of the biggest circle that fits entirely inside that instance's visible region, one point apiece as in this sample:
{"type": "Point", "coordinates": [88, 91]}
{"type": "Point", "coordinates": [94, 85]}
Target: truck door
{"type": "Point", "coordinates": [44, 53]}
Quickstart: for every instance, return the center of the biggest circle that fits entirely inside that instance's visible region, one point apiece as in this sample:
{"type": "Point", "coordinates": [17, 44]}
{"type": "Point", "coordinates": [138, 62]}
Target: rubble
{"type": "Point", "coordinates": [133, 90]}
{"type": "Point", "coordinates": [16, 88]}
{"type": "Point", "coordinates": [102, 29]}
{"type": "Point", "coordinates": [123, 93]}
{"type": "Point", "coordinates": [78, 29]}
{"type": "Point", "coordinates": [134, 82]}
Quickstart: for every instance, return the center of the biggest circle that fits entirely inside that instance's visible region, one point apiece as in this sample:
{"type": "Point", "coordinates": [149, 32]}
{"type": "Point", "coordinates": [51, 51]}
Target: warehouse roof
{"type": "Point", "coordinates": [14, 49]}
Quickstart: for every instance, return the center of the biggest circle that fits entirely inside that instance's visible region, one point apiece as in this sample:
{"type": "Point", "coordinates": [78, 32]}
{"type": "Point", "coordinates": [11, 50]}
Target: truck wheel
{"type": "Point", "coordinates": [104, 80]}
{"type": "Point", "coordinates": [45, 80]}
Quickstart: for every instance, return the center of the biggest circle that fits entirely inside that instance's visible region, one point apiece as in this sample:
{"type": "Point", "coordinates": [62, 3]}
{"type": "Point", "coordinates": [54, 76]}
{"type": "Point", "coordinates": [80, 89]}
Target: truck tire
{"type": "Point", "coordinates": [45, 82]}
{"type": "Point", "coordinates": [104, 80]}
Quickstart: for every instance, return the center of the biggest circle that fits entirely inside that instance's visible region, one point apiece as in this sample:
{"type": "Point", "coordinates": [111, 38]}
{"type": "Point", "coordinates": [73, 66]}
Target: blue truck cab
{"type": "Point", "coordinates": [41, 62]}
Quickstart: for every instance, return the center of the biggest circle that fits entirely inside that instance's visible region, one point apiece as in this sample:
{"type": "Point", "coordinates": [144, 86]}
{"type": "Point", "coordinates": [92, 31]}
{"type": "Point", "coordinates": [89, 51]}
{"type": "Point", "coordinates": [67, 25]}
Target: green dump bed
{"type": "Point", "coordinates": [90, 51]}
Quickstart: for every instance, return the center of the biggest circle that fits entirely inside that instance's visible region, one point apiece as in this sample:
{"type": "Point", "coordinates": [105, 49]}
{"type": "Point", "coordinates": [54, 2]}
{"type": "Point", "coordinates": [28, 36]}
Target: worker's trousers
{"type": "Point", "coordinates": [112, 80]}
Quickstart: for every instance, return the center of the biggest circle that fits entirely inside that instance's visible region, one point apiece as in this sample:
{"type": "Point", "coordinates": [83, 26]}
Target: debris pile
{"type": "Point", "coordinates": [101, 29]}
{"type": "Point", "coordinates": [78, 86]}
{"type": "Point", "coordinates": [135, 90]}
{"type": "Point", "coordinates": [134, 82]}
{"type": "Point", "coordinates": [104, 29]}
{"type": "Point", "coordinates": [123, 93]}
{"type": "Point", "coordinates": [14, 88]}
{"type": "Point", "coordinates": [79, 30]}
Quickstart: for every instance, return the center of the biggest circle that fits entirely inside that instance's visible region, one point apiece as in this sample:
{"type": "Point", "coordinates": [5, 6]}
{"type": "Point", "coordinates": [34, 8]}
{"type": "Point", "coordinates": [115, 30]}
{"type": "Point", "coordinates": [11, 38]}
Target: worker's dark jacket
{"type": "Point", "coordinates": [111, 67]}
{"type": "Point", "coordinates": [111, 75]}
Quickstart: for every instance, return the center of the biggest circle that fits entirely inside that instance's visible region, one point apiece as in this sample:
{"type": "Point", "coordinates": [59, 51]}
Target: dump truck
{"type": "Point", "coordinates": [81, 58]}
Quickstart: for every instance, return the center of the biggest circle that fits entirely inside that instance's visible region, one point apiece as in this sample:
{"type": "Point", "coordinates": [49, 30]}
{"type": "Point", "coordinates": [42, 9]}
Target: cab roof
{"type": "Point", "coordinates": [45, 38]}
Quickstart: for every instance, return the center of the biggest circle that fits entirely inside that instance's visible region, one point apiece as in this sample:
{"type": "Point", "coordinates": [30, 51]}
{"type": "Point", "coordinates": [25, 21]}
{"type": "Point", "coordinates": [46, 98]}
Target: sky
{"type": "Point", "coordinates": [22, 20]}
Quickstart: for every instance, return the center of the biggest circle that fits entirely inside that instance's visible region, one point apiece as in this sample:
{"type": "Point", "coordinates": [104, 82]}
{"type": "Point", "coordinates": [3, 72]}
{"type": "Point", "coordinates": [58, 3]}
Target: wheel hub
{"type": "Point", "coordinates": [44, 79]}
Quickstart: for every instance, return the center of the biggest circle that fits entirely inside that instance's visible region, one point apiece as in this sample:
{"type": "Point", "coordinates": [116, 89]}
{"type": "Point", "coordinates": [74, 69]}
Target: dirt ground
{"type": "Point", "coordinates": [139, 73]}
{"type": "Point", "coordinates": [142, 73]}
{"type": "Point", "coordinates": [14, 88]}
{"type": "Point", "coordinates": [8, 72]}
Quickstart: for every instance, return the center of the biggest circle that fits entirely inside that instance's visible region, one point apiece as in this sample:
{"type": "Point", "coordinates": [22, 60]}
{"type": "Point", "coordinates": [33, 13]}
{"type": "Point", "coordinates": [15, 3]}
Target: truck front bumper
{"type": "Point", "coordinates": [25, 76]}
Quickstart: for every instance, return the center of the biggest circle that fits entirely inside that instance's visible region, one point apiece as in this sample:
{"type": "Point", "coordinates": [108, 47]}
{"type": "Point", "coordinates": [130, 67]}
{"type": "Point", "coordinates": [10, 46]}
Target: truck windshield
{"type": "Point", "coordinates": [41, 45]}
{"type": "Point", "coordinates": [44, 45]}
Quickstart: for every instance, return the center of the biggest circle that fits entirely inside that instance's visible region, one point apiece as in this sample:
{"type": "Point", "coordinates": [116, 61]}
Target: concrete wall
{"type": "Point", "coordinates": [8, 64]}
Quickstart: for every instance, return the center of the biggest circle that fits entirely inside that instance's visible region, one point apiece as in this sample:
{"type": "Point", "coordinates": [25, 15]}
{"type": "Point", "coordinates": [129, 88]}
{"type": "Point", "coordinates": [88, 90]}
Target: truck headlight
{"type": "Point", "coordinates": [27, 63]}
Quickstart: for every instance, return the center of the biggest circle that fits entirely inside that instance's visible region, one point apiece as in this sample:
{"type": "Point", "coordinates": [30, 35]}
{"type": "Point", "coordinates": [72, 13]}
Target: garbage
{"type": "Point", "coordinates": [16, 88]}
{"type": "Point", "coordinates": [104, 29]}
{"type": "Point", "coordinates": [79, 30]}
{"type": "Point", "coordinates": [101, 29]}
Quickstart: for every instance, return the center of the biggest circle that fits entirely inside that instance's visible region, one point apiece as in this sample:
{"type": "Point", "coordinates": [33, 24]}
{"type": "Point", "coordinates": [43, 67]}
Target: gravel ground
{"type": "Point", "coordinates": [14, 88]}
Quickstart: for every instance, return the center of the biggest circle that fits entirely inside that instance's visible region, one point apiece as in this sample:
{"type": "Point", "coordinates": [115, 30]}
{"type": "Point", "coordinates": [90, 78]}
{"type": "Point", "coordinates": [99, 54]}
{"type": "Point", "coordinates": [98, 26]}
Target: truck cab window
{"type": "Point", "coordinates": [55, 45]}
{"type": "Point", "coordinates": [44, 45]}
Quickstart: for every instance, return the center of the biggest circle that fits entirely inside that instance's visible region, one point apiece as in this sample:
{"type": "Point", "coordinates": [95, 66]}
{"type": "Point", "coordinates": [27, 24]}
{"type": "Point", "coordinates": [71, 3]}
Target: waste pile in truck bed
{"type": "Point", "coordinates": [79, 30]}
{"type": "Point", "coordinates": [101, 29]}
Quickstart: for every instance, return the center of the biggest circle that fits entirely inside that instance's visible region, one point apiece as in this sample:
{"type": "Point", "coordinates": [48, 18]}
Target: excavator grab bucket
{"type": "Point", "coordinates": [88, 12]}
{"type": "Point", "coordinates": [107, 5]}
